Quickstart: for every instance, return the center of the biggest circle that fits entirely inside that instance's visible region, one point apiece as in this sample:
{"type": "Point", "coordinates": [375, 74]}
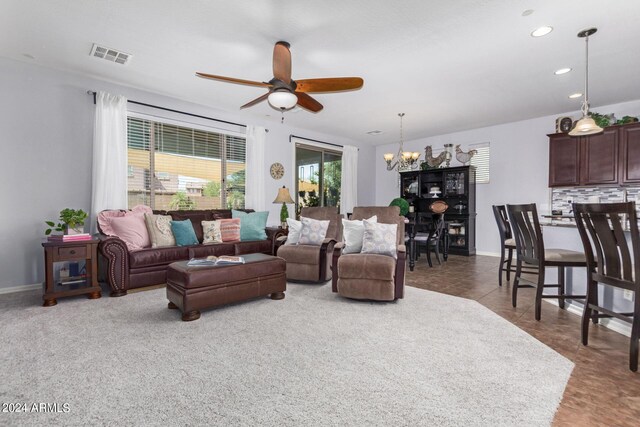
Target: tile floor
{"type": "Point", "coordinates": [602, 391]}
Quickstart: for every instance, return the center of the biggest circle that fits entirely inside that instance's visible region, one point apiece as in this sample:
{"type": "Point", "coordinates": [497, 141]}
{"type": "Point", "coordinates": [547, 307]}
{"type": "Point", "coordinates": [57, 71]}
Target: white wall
{"type": "Point", "coordinates": [519, 166]}
{"type": "Point", "coordinates": [46, 123]}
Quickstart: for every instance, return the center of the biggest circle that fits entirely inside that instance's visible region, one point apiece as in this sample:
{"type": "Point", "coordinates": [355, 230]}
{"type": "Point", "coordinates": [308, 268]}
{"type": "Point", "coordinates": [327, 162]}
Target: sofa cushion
{"type": "Point", "coordinates": [252, 225]}
{"type": "Point", "coordinates": [159, 228]}
{"type": "Point", "coordinates": [379, 238]}
{"type": "Point", "coordinates": [183, 232]}
{"type": "Point", "coordinates": [366, 266]}
{"type": "Point", "coordinates": [353, 234]}
{"type": "Point", "coordinates": [300, 254]}
{"type": "Point", "coordinates": [196, 217]}
{"type": "Point", "coordinates": [230, 229]}
{"type": "Point", "coordinates": [253, 247]}
{"type": "Point", "coordinates": [157, 256]}
{"type": "Point", "coordinates": [294, 231]}
{"type": "Point", "coordinates": [211, 232]}
{"type": "Point", "coordinates": [132, 230]}
{"type": "Point", "coordinates": [313, 231]}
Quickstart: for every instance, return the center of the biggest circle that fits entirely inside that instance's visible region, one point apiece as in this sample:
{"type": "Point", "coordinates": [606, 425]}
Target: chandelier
{"type": "Point", "coordinates": [404, 159]}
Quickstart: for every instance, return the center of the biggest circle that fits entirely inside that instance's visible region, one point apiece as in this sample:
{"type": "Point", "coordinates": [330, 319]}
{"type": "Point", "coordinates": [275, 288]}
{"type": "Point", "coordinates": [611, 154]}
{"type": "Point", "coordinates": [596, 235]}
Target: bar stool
{"type": "Point", "coordinates": [531, 252]}
{"type": "Point", "coordinates": [601, 228]}
{"type": "Point", "coordinates": [507, 243]}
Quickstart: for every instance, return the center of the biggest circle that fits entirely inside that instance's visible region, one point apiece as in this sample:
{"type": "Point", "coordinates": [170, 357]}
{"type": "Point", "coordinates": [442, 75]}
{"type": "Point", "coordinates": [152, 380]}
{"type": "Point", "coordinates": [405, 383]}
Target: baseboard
{"type": "Point", "coordinates": [22, 288]}
{"type": "Point", "coordinates": [614, 324]}
{"type": "Point", "coordinates": [493, 254]}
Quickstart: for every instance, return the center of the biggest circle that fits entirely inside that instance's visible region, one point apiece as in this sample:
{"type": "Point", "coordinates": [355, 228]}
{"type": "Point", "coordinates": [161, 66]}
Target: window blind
{"type": "Point", "coordinates": [177, 167]}
{"type": "Point", "coordinates": [481, 161]}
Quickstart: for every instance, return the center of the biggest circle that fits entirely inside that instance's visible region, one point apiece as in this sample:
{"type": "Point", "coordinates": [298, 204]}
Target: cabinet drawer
{"type": "Point", "coordinates": [71, 253]}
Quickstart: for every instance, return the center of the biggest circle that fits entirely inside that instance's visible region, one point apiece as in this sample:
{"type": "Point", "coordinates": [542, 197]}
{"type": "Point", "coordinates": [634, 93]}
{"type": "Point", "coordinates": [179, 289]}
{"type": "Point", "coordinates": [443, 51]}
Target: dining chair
{"type": "Point", "coordinates": [612, 260]}
{"type": "Point", "coordinates": [507, 242]}
{"type": "Point", "coordinates": [530, 252]}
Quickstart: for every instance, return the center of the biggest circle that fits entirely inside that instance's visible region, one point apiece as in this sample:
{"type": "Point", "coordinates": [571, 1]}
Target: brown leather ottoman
{"type": "Point", "coordinates": [194, 288]}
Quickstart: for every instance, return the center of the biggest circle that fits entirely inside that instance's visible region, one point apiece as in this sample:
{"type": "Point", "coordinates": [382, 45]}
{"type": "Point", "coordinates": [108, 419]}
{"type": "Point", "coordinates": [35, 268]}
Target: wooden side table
{"type": "Point", "coordinates": [83, 250]}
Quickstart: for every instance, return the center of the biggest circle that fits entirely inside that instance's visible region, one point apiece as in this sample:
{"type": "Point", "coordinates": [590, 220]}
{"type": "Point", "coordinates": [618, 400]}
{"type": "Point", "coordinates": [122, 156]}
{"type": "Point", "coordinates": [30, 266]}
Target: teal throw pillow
{"type": "Point", "coordinates": [252, 224]}
{"type": "Point", "coordinates": [184, 233]}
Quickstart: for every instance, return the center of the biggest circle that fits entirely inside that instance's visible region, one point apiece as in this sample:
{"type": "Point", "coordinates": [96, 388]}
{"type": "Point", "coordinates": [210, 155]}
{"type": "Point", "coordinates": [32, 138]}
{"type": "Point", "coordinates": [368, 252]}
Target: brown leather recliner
{"type": "Point", "coordinates": [371, 276]}
{"type": "Point", "coordinates": [308, 263]}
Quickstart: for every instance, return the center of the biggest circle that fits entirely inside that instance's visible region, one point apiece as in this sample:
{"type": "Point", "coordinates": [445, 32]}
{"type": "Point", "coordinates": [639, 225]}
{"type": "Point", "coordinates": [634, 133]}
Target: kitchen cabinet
{"type": "Point", "coordinates": [608, 158]}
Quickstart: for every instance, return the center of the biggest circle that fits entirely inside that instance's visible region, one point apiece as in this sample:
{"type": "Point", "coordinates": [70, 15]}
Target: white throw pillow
{"type": "Point", "coordinates": [353, 232]}
{"type": "Point", "coordinates": [294, 231]}
{"type": "Point", "coordinates": [379, 238]}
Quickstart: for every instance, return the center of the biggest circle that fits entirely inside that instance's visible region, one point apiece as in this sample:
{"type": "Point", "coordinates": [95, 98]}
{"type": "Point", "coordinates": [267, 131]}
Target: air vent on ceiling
{"type": "Point", "coordinates": [110, 54]}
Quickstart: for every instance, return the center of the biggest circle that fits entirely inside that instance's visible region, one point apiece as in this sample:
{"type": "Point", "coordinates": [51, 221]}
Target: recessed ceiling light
{"type": "Point", "coordinates": [562, 71]}
{"type": "Point", "coordinates": [527, 12]}
{"type": "Point", "coordinates": [542, 31]}
{"type": "Point", "coordinates": [374, 132]}
{"type": "Point", "coordinates": [575, 95]}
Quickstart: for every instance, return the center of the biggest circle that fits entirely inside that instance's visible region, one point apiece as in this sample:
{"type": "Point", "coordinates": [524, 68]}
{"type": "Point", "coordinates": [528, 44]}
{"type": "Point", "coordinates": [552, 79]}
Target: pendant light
{"type": "Point", "coordinates": [586, 125]}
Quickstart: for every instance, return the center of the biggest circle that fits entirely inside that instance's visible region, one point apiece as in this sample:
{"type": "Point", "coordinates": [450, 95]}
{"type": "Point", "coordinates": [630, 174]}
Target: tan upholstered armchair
{"type": "Point", "coordinates": [308, 263]}
{"type": "Point", "coordinates": [371, 276]}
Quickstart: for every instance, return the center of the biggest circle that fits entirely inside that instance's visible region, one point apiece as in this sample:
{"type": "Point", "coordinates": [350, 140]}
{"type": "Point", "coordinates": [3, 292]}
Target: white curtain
{"type": "Point", "coordinates": [109, 154]}
{"type": "Point", "coordinates": [349, 186]}
{"type": "Point", "coordinates": [254, 193]}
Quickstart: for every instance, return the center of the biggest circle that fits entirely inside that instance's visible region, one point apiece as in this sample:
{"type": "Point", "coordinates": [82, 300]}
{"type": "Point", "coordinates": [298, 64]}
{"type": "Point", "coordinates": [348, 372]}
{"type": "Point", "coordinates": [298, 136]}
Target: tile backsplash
{"type": "Point", "coordinates": [560, 196]}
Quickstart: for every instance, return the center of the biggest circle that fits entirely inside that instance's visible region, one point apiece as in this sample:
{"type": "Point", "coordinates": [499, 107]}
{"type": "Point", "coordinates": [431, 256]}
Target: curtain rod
{"type": "Point", "coordinates": [90, 92]}
{"type": "Point", "coordinates": [315, 140]}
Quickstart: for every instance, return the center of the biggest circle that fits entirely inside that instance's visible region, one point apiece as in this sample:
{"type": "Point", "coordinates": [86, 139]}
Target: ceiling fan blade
{"type": "Point", "coordinates": [232, 80]}
{"type": "Point", "coordinates": [282, 62]}
{"type": "Point", "coordinates": [256, 101]}
{"type": "Point", "coordinates": [330, 84]}
{"type": "Point", "coordinates": [308, 103]}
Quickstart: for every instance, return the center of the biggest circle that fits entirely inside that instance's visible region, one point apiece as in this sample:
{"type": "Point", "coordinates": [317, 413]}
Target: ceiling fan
{"type": "Point", "coordinates": [284, 93]}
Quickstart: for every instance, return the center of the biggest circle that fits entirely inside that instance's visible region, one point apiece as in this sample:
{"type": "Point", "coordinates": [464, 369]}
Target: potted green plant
{"type": "Point", "coordinates": [402, 204]}
{"type": "Point", "coordinates": [71, 222]}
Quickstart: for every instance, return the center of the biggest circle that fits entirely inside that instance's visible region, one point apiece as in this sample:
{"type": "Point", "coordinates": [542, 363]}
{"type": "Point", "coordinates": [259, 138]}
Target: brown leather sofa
{"type": "Point", "coordinates": [371, 276]}
{"type": "Point", "coordinates": [123, 269]}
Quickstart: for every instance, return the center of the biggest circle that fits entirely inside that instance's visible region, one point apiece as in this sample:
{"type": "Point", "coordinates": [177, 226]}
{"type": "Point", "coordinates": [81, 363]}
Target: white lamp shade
{"type": "Point", "coordinates": [388, 157]}
{"type": "Point", "coordinates": [282, 99]}
{"type": "Point", "coordinates": [585, 126]}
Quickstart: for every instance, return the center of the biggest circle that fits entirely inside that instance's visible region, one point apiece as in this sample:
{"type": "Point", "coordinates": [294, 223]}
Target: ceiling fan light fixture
{"type": "Point", "coordinates": [282, 99]}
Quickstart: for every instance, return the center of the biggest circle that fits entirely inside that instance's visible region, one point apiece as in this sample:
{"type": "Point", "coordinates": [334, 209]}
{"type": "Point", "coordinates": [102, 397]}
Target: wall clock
{"type": "Point", "coordinates": [277, 170]}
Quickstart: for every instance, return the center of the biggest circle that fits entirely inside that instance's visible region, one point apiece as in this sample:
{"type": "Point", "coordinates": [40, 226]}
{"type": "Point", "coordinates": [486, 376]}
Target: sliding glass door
{"type": "Point", "coordinates": [318, 173]}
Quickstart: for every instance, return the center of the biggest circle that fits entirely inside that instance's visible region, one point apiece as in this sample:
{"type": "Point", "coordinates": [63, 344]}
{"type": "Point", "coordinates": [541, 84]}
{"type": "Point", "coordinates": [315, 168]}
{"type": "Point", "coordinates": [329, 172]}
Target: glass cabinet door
{"type": "Point", "coordinates": [409, 185]}
{"type": "Point", "coordinates": [455, 184]}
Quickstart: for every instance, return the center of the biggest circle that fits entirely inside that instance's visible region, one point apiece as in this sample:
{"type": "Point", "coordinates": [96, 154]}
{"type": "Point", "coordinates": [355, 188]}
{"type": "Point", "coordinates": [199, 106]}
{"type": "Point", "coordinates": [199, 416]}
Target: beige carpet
{"type": "Point", "coordinates": [311, 359]}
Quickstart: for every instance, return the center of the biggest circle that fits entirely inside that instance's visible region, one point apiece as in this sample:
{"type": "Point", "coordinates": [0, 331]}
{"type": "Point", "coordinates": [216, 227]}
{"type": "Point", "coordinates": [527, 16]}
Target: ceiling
{"type": "Point", "coordinates": [449, 65]}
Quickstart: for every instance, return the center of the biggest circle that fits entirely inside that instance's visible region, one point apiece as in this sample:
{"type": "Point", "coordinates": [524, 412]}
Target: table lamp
{"type": "Point", "coordinates": [284, 197]}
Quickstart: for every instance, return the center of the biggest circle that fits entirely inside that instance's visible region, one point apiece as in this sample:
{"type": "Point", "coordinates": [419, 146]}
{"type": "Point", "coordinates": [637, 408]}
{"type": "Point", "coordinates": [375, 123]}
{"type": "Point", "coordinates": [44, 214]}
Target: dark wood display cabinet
{"type": "Point", "coordinates": [608, 158]}
{"type": "Point", "coordinates": [457, 187]}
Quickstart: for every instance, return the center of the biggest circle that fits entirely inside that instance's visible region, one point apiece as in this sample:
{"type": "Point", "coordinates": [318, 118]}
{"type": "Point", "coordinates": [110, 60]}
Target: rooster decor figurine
{"type": "Point", "coordinates": [463, 157]}
{"type": "Point", "coordinates": [433, 162]}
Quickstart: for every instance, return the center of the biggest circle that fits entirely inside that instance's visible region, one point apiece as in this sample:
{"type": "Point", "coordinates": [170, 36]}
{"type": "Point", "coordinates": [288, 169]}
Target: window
{"type": "Point", "coordinates": [481, 161]}
{"type": "Point", "coordinates": [319, 176]}
{"type": "Point", "coordinates": [175, 167]}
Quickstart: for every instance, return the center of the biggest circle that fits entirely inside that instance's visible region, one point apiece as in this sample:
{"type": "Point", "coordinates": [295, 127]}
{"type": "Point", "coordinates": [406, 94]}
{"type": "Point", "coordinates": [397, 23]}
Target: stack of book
{"type": "Point", "coordinates": [69, 237]}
